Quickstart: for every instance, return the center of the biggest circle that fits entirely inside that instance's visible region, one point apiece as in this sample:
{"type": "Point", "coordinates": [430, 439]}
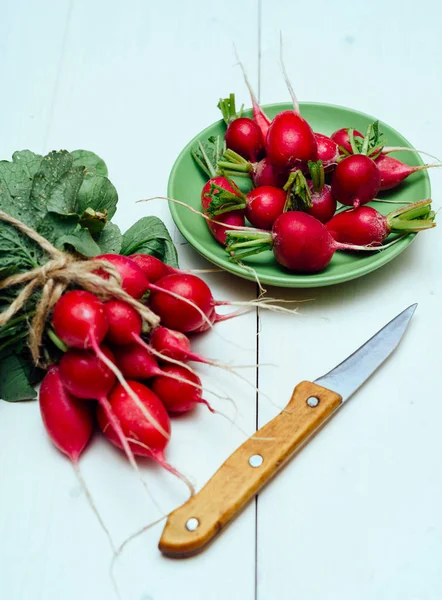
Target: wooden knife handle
{"type": "Point", "coordinates": [237, 480]}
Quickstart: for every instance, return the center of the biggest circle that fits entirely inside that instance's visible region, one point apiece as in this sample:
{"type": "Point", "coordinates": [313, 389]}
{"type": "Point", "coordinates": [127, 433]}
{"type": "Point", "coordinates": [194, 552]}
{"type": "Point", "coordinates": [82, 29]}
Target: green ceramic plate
{"type": "Point", "coordinates": [186, 181]}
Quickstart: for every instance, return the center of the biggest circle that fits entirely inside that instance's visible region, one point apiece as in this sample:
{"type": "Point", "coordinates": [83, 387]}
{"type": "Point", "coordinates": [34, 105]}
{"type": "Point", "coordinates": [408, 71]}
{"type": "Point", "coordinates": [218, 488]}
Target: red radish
{"type": "Point", "coordinates": [136, 362]}
{"type": "Point", "coordinates": [366, 226]}
{"type": "Point", "coordinates": [191, 308]}
{"type": "Point", "coordinates": [152, 267]}
{"type": "Point", "coordinates": [341, 138]}
{"type": "Point", "coordinates": [351, 141]}
{"type": "Point", "coordinates": [261, 173]}
{"type": "Point", "coordinates": [90, 375]}
{"type": "Point", "coordinates": [356, 180]}
{"type": "Point", "coordinates": [290, 141]}
{"type": "Point", "coordinates": [134, 358]}
{"type": "Point", "coordinates": [235, 218]}
{"type": "Point", "coordinates": [68, 421]}
{"type": "Point", "coordinates": [206, 325]}
{"type": "Point", "coordinates": [328, 151]}
{"type": "Point", "coordinates": [97, 368]}
{"type": "Point", "coordinates": [133, 424]}
{"type": "Point", "coordinates": [265, 174]}
{"type": "Point", "coordinates": [84, 375]}
{"type": "Point", "coordinates": [79, 315]}
{"type": "Point", "coordinates": [299, 242]}
{"type": "Point", "coordinates": [211, 186]}
{"type": "Point", "coordinates": [393, 171]}
{"type": "Point", "coordinates": [313, 197]}
{"type": "Point", "coordinates": [124, 322]}
{"type": "Point", "coordinates": [176, 314]}
{"type": "Point", "coordinates": [224, 223]}
{"type": "Point", "coordinates": [170, 344]}
{"type": "Point", "coordinates": [178, 396]}
{"type": "Point", "coordinates": [323, 204]}
{"type": "Point", "coordinates": [262, 205]}
{"type": "Point", "coordinates": [133, 280]}
{"type": "Point", "coordinates": [174, 344]}
{"type": "Point", "coordinates": [243, 135]}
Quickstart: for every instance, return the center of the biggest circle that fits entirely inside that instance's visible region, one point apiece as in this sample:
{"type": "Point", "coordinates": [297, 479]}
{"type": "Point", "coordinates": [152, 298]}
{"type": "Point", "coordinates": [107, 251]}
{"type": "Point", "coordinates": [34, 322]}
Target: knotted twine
{"type": "Point", "coordinates": [61, 271]}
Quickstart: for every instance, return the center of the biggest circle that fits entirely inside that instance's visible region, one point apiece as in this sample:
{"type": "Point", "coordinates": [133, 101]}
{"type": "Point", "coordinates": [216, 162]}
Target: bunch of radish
{"type": "Point", "coordinates": [300, 178]}
{"type": "Point", "coordinates": [116, 371]}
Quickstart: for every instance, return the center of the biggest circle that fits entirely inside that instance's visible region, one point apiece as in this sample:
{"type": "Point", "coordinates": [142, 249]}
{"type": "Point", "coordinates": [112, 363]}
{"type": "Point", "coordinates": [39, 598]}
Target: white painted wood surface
{"type": "Point", "coordinates": [357, 514]}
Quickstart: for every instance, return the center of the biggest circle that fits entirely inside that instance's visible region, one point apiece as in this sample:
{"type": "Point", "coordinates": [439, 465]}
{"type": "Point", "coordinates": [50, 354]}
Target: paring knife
{"type": "Point", "coordinates": [193, 525]}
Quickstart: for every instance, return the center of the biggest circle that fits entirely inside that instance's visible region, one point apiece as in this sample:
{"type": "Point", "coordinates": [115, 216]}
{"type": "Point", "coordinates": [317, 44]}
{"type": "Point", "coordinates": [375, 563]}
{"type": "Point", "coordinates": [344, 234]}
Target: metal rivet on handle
{"type": "Point", "coordinates": [256, 460]}
{"type": "Point", "coordinates": [313, 401]}
{"type": "Point", "coordinates": [192, 524]}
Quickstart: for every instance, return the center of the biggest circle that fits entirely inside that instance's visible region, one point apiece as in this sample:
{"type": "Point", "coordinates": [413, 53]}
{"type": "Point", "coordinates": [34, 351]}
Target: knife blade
{"type": "Point", "coordinates": [193, 525]}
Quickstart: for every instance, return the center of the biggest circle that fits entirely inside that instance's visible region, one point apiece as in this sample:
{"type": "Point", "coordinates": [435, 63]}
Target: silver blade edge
{"type": "Point", "coordinates": [350, 374]}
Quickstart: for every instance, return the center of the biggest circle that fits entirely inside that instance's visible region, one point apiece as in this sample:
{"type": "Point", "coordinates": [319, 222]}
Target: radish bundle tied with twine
{"type": "Point", "coordinates": [61, 271]}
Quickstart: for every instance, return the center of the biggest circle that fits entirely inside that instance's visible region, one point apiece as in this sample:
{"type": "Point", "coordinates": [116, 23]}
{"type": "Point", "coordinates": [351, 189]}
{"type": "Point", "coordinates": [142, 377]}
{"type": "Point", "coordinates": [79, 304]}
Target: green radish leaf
{"type": "Point", "coordinates": [53, 168]}
{"type": "Point", "coordinates": [15, 377]}
{"type": "Point", "coordinates": [149, 235]}
{"type": "Point", "coordinates": [17, 175]}
{"type": "Point", "coordinates": [208, 154]}
{"type": "Point", "coordinates": [16, 186]}
{"type": "Point", "coordinates": [28, 161]}
{"type": "Point", "coordinates": [17, 252]}
{"type": "Point", "coordinates": [82, 242]}
{"type": "Point", "coordinates": [91, 162]}
{"type": "Point", "coordinates": [110, 239]}
{"type": "Point", "coordinates": [14, 179]}
{"type": "Point", "coordinates": [62, 198]}
{"type": "Point", "coordinates": [98, 193]}
{"type": "Point", "coordinates": [62, 231]}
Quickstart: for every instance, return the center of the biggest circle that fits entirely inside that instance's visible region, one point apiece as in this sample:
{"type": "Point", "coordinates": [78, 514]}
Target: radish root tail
{"type": "Point", "coordinates": [92, 505]}
{"type": "Point", "coordinates": [286, 77]}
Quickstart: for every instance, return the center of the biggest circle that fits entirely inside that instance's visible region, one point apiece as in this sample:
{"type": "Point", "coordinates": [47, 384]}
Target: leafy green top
{"type": "Point", "coordinates": [67, 198]}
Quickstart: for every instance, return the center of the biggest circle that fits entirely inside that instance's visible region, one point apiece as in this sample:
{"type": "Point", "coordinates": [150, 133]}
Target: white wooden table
{"type": "Point", "coordinates": [357, 515]}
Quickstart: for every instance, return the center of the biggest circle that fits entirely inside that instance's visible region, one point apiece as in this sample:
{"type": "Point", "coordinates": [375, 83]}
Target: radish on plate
{"type": "Point", "coordinates": [328, 151]}
{"type": "Point", "coordinates": [223, 222]}
{"type": "Point", "coordinates": [261, 173]}
{"type": "Point", "coordinates": [341, 138]}
{"type": "Point", "coordinates": [243, 135]}
{"type": "Point", "coordinates": [351, 141]}
{"type": "Point", "coordinates": [393, 171]}
{"type": "Point", "coordinates": [262, 205]}
{"type": "Point", "coordinates": [356, 180]}
{"type": "Point", "coordinates": [290, 141]}
{"type": "Point", "coordinates": [311, 196]}
{"type": "Point", "coordinates": [367, 226]}
{"type": "Point", "coordinates": [299, 242]}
